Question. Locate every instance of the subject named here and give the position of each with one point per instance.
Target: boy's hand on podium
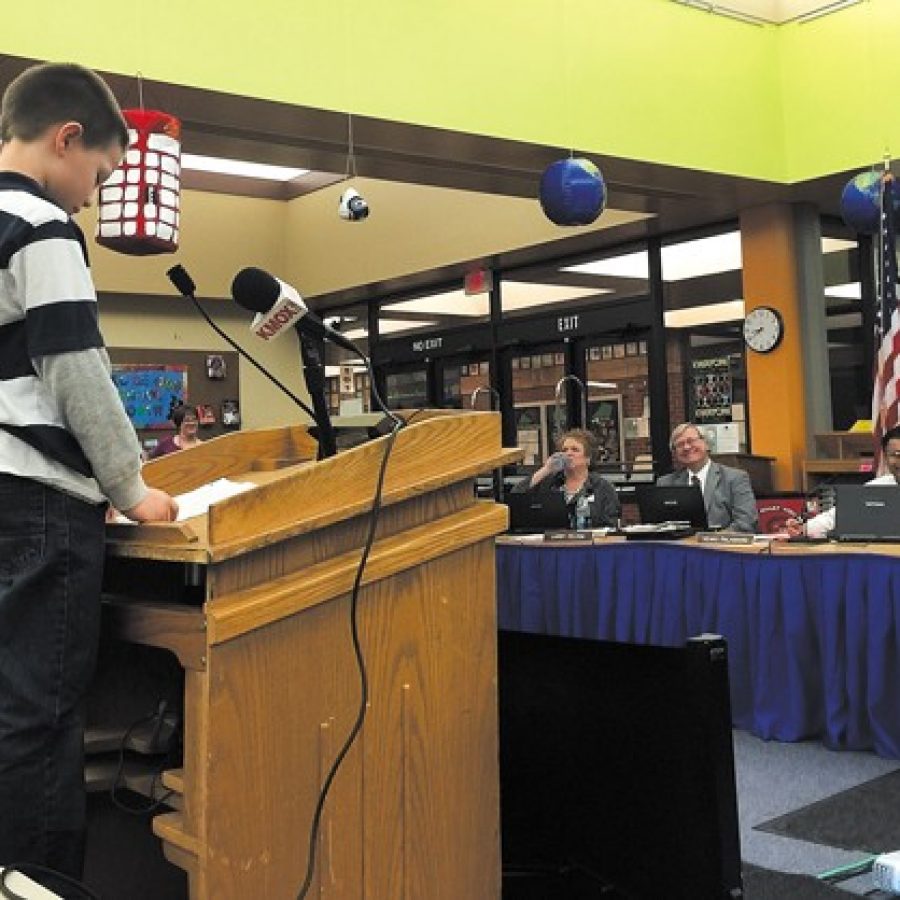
(157, 506)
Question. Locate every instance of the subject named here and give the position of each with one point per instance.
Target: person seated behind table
(819, 526)
(568, 471)
(185, 420)
(727, 493)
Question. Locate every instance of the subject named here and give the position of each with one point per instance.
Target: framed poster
(216, 369)
(149, 392)
(711, 390)
(231, 413)
(530, 434)
(605, 422)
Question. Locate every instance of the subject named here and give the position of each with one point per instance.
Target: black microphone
(185, 286)
(183, 282)
(278, 306)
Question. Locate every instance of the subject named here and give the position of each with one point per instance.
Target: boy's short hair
(52, 93)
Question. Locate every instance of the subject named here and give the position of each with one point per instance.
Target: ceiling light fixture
(709, 314)
(852, 290)
(241, 168)
(686, 259)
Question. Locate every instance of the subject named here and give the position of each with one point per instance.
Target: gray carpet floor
(774, 779)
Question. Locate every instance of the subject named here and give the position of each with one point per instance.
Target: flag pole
(885, 387)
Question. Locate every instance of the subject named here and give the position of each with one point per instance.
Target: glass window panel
(618, 410)
(849, 369)
(536, 372)
(432, 312)
(407, 390)
(467, 384)
(569, 287)
(704, 313)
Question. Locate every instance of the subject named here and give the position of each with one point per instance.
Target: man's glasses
(893, 454)
(687, 442)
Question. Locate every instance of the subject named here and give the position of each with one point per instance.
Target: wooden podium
(253, 599)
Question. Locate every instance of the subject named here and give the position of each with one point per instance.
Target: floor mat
(864, 818)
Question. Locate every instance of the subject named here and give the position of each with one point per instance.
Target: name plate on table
(724, 537)
(564, 536)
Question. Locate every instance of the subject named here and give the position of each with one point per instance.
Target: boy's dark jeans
(51, 567)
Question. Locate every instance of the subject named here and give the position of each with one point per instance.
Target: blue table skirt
(813, 640)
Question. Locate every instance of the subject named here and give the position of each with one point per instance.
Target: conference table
(813, 632)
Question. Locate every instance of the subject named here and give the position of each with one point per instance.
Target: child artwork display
(150, 392)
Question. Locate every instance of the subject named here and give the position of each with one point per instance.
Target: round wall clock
(763, 329)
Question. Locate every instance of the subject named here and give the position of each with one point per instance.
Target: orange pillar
(777, 411)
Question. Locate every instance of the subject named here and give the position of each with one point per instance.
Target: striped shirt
(61, 421)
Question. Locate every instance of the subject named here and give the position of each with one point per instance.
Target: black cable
(360, 662)
(398, 423)
(27, 868)
(155, 802)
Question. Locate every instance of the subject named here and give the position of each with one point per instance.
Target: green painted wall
(640, 79)
(643, 79)
(840, 79)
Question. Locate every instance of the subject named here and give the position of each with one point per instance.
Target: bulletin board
(151, 381)
(605, 421)
(711, 390)
(150, 391)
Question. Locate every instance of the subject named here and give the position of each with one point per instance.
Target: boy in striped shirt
(66, 448)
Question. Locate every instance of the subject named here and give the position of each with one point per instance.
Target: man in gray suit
(727, 493)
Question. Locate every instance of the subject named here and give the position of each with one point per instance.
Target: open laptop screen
(672, 503)
(533, 512)
(867, 512)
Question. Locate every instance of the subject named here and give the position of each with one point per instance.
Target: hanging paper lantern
(139, 205)
(572, 192)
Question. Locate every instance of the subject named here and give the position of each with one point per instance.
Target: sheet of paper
(197, 502)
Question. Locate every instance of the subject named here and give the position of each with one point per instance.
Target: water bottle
(583, 514)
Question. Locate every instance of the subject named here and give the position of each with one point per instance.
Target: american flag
(886, 393)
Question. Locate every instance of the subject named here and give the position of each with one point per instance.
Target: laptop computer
(672, 503)
(533, 513)
(867, 513)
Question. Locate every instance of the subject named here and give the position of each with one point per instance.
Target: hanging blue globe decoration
(861, 203)
(573, 192)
